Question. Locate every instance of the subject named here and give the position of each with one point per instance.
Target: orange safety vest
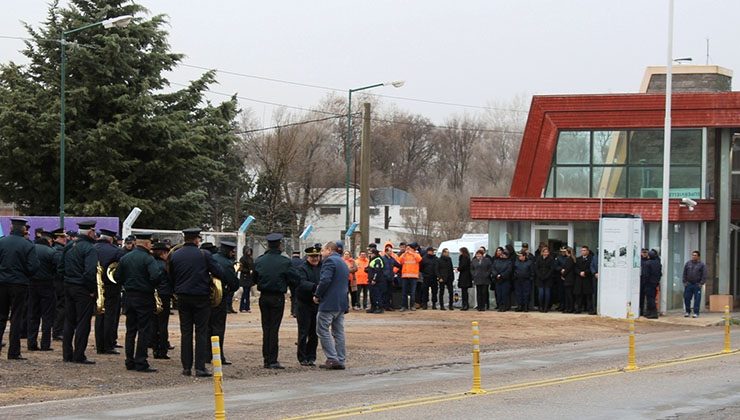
(361, 273)
(409, 265)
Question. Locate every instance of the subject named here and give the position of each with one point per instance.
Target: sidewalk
(706, 319)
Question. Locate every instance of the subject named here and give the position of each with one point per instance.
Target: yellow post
(631, 365)
(727, 330)
(218, 392)
(476, 361)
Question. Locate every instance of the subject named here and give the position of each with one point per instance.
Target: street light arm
(114, 22)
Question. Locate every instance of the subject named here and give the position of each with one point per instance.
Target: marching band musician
(60, 240)
(41, 301)
(165, 289)
(106, 324)
(226, 259)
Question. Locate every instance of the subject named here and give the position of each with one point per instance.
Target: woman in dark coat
(481, 270)
(544, 269)
(445, 276)
(501, 275)
(246, 266)
(465, 279)
(568, 274)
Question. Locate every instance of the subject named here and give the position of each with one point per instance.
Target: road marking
(395, 405)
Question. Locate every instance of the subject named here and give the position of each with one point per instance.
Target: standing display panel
(620, 238)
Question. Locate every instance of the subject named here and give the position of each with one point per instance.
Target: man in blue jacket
(331, 295)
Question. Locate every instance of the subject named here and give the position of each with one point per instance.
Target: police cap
(228, 245)
(108, 232)
(58, 232)
(191, 232)
(18, 221)
(312, 251)
(274, 237)
(160, 246)
(87, 224)
(144, 236)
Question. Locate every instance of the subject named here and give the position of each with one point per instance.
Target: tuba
(217, 292)
(158, 307)
(100, 301)
(110, 272)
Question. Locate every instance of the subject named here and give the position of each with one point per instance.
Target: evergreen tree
(127, 142)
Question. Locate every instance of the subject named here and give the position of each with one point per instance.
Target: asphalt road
(708, 388)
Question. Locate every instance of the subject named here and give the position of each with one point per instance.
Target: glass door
(554, 236)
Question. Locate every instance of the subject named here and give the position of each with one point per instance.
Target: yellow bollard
(631, 365)
(727, 330)
(476, 361)
(218, 392)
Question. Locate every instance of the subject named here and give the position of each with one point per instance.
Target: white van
(471, 241)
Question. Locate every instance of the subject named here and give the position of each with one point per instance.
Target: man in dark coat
(376, 281)
(190, 270)
(41, 298)
(165, 290)
(106, 324)
(523, 277)
(79, 265)
(18, 263)
(306, 308)
(225, 258)
(428, 269)
(273, 274)
(331, 295)
(501, 275)
(60, 240)
(445, 276)
(139, 274)
(582, 287)
(655, 272)
(644, 275)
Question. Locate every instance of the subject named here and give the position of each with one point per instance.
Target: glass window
(685, 147)
(573, 147)
(609, 181)
(572, 181)
(646, 147)
(549, 192)
(610, 147)
(686, 179)
(736, 186)
(645, 182)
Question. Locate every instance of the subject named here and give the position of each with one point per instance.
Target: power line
(275, 127)
(486, 130)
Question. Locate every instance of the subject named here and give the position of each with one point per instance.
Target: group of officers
(52, 284)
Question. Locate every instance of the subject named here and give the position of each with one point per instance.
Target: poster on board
(619, 265)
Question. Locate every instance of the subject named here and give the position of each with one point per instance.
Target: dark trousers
(271, 310)
(442, 286)
(544, 298)
(59, 312)
(194, 312)
(388, 295)
(41, 306)
(523, 289)
(464, 291)
(244, 302)
(583, 302)
(217, 326)
(567, 302)
(139, 313)
(408, 292)
(377, 294)
(161, 333)
(429, 283)
(651, 290)
(308, 341)
(106, 324)
(13, 300)
(79, 307)
(481, 295)
(362, 295)
(643, 300)
(353, 298)
(692, 291)
(502, 293)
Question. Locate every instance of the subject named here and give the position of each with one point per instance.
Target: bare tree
(457, 141)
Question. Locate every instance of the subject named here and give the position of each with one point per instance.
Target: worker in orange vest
(409, 260)
(362, 290)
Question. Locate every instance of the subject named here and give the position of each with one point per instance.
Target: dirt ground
(390, 341)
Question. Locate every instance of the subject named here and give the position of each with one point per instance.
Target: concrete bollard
(631, 364)
(727, 348)
(218, 391)
(476, 361)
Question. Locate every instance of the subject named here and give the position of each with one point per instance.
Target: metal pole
(218, 391)
(347, 147)
(365, 153)
(476, 361)
(664, 245)
(62, 141)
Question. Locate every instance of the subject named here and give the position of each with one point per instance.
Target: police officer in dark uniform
(41, 299)
(165, 289)
(60, 240)
(273, 273)
(229, 283)
(190, 269)
(79, 265)
(139, 274)
(18, 263)
(106, 324)
(306, 309)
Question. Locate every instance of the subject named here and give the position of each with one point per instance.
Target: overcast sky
(474, 52)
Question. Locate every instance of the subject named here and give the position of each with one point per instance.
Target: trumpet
(100, 301)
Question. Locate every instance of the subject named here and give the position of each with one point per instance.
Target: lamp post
(116, 22)
(348, 140)
(664, 251)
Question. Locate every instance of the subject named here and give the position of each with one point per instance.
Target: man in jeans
(694, 277)
(409, 261)
(331, 296)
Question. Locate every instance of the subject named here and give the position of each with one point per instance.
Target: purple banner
(50, 223)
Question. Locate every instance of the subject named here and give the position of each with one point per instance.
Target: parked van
(471, 241)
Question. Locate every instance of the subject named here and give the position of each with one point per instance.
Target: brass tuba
(100, 301)
(217, 292)
(110, 272)
(158, 307)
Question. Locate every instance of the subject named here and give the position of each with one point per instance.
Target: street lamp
(115, 22)
(664, 244)
(348, 140)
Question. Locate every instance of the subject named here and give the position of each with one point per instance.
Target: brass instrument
(217, 291)
(100, 301)
(158, 307)
(111, 271)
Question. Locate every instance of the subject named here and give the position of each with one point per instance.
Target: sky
(472, 52)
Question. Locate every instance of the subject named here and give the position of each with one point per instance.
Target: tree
(128, 144)
(457, 140)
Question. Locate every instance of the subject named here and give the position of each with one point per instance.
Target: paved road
(697, 387)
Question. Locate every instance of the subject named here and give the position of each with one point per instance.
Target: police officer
(225, 258)
(139, 274)
(306, 309)
(273, 273)
(106, 324)
(165, 289)
(18, 263)
(79, 265)
(190, 269)
(60, 240)
(41, 299)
